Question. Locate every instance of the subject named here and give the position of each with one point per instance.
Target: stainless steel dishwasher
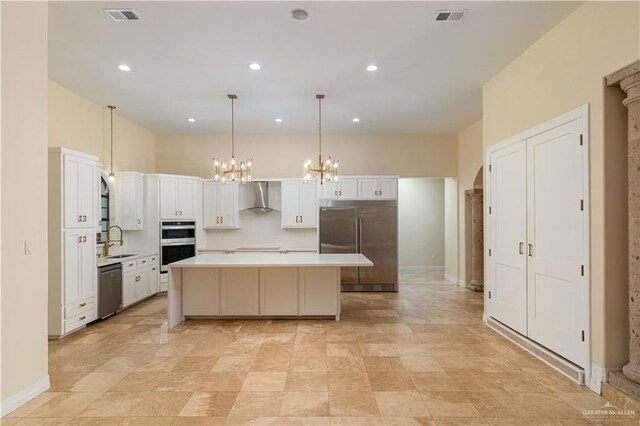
(109, 290)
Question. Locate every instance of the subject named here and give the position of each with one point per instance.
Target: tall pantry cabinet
(74, 193)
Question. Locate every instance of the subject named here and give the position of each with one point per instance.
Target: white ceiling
(186, 56)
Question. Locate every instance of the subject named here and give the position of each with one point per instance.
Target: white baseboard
(421, 268)
(25, 395)
(599, 375)
(454, 280)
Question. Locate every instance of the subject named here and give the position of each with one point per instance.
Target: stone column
(477, 241)
(629, 80)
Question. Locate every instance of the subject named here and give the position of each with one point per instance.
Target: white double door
(538, 242)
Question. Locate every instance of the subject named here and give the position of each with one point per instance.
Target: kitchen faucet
(108, 243)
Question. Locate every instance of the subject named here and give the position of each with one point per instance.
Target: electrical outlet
(28, 250)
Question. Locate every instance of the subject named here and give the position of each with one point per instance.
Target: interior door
(378, 236)
(557, 292)
(228, 204)
(187, 199)
(338, 234)
(168, 198)
(507, 227)
(290, 204)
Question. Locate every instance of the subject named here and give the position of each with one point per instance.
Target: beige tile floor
(421, 356)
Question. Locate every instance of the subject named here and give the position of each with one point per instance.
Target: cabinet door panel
(87, 194)
(141, 284)
(308, 205)
(153, 279)
(187, 199)
(71, 191)
(388, 189)
(88, 270)
(557, 292)
(168, 198)
(368, 189)
(348, 189)
(128, 203)
(139, 202)
(203, 297)
(290, 212)
(72, 248)
(210, 196)
(128, 285)
(329, 190)
(508, 224)
(240, 291)
(228, 205)
(279, 291)
(318, 291)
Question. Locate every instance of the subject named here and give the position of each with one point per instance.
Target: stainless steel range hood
(256, 197)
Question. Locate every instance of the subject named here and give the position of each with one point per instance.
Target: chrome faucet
(108, 243)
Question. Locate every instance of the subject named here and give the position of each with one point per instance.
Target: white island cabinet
(216, 285)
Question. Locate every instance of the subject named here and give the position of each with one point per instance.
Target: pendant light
(328, 169)
(112, 176)
(223, 172)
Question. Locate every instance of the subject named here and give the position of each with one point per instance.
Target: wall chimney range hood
(256, 197)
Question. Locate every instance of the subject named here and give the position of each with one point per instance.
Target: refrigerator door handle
(359, 235)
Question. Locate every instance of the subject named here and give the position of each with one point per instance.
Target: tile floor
(421, 356)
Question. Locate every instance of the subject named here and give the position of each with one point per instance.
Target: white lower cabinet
(139, 279)
(279, 291)
(203, 297)
(315, 296)
(239, 291)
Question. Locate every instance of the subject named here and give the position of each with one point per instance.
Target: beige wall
(421, 222)
(469, 163)
(451, 228)
(561, 71)
(24, 195)
(79, 124)
(282, 155)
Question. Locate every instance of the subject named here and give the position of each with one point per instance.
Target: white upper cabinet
(377, 188)
(177, 198)
(220, 205)
(131, 187)
(299, 204)
(80, 187)
(345, 188)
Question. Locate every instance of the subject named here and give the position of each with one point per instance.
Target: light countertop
(106, 261)
(239, 260)
(258, 250)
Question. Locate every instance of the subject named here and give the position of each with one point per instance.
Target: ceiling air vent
(449, 15)
(122, 15)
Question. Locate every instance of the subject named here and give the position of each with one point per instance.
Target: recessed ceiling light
(299, 14)
(278, 120)
(356, 120)
(191, 120)
(254, 66)
(124, 67)
(372, 68)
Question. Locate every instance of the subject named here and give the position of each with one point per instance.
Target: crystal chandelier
(232, 171)
(328, 169)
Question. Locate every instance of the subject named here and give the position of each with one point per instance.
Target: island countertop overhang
(275, 260)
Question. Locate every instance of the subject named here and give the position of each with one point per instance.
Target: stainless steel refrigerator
(367, 227)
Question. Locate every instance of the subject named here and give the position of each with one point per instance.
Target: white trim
(25, 395)
(455, 280)
(599, 375)
(421, 268)
(580, 113)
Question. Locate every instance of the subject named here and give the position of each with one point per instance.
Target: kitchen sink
(119, 256)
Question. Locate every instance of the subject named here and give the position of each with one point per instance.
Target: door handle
(221, 219)
(80, 218)
(336, 192)
(138, 278)
(83, 304)
(521, 248)
(530, 250)
(300, 219)
(339, 192)
(138, 221)
(359, 235)
(83, 317)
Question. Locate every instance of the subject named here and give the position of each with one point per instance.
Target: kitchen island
(247, 285)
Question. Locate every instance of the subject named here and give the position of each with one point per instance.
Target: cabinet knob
(138, 278)
(83, 317)
(83, 304)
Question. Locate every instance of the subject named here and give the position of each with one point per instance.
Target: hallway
(423, 352)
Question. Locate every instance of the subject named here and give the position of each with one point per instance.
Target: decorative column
(629, 80)
(477, 241)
